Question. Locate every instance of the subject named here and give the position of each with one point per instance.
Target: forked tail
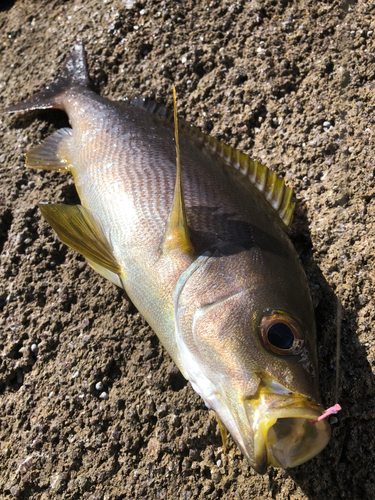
(73, 74)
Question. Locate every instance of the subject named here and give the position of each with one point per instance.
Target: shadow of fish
(203, 255)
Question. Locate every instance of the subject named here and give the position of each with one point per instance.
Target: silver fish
(203, 254)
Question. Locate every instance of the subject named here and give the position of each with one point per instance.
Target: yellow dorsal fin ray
(267, 182)
(77, 228)
(176, 236)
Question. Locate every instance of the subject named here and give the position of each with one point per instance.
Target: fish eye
(281, 333)
(280, 336)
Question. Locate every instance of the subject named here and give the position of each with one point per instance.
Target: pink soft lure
(331, 411)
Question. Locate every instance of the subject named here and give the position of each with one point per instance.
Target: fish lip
(284, 433)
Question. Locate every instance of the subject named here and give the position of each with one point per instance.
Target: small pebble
(326, 124)
(216, 476)
(162, 410)
(15, 491)
(34, 348)
(103, 395)
(175, 421)
(99, 386)
(362, 299)
(149, 353)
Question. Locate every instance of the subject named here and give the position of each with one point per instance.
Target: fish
(197, 236)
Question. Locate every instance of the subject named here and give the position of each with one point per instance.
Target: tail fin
(74, 73)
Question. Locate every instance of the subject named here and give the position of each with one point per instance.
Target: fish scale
(203, 254)
(152, 185)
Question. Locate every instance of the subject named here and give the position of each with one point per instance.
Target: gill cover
(267, 400)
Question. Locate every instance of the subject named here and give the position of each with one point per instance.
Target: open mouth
(286, 431)
(293, 441)
(290, 441)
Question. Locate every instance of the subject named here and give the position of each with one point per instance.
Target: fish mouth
(285, 429)
(288, 441)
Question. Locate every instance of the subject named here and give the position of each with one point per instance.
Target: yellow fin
(106, 273)
(177, 235)
(223, 433)
(53, 154)
(267, 182)
(77, 228)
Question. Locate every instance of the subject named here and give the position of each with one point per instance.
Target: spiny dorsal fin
(53, 153)
(76, 227)
(176, 235)
(267, 182)
(74, 73)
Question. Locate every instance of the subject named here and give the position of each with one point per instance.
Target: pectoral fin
(77, 228)
(268, 183)
(177, 237)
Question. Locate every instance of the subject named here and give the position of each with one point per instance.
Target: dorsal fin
(267, 182)
(73, 73)
(177, 235)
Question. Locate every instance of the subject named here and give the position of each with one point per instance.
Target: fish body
(231, 303)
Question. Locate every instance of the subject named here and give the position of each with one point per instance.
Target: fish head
(246, 333)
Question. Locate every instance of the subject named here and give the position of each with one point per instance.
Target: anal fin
(53, 153)
(77, 228)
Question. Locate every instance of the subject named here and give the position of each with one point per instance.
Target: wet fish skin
(206, 308)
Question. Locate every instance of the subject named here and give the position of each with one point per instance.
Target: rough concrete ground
(289, 82)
